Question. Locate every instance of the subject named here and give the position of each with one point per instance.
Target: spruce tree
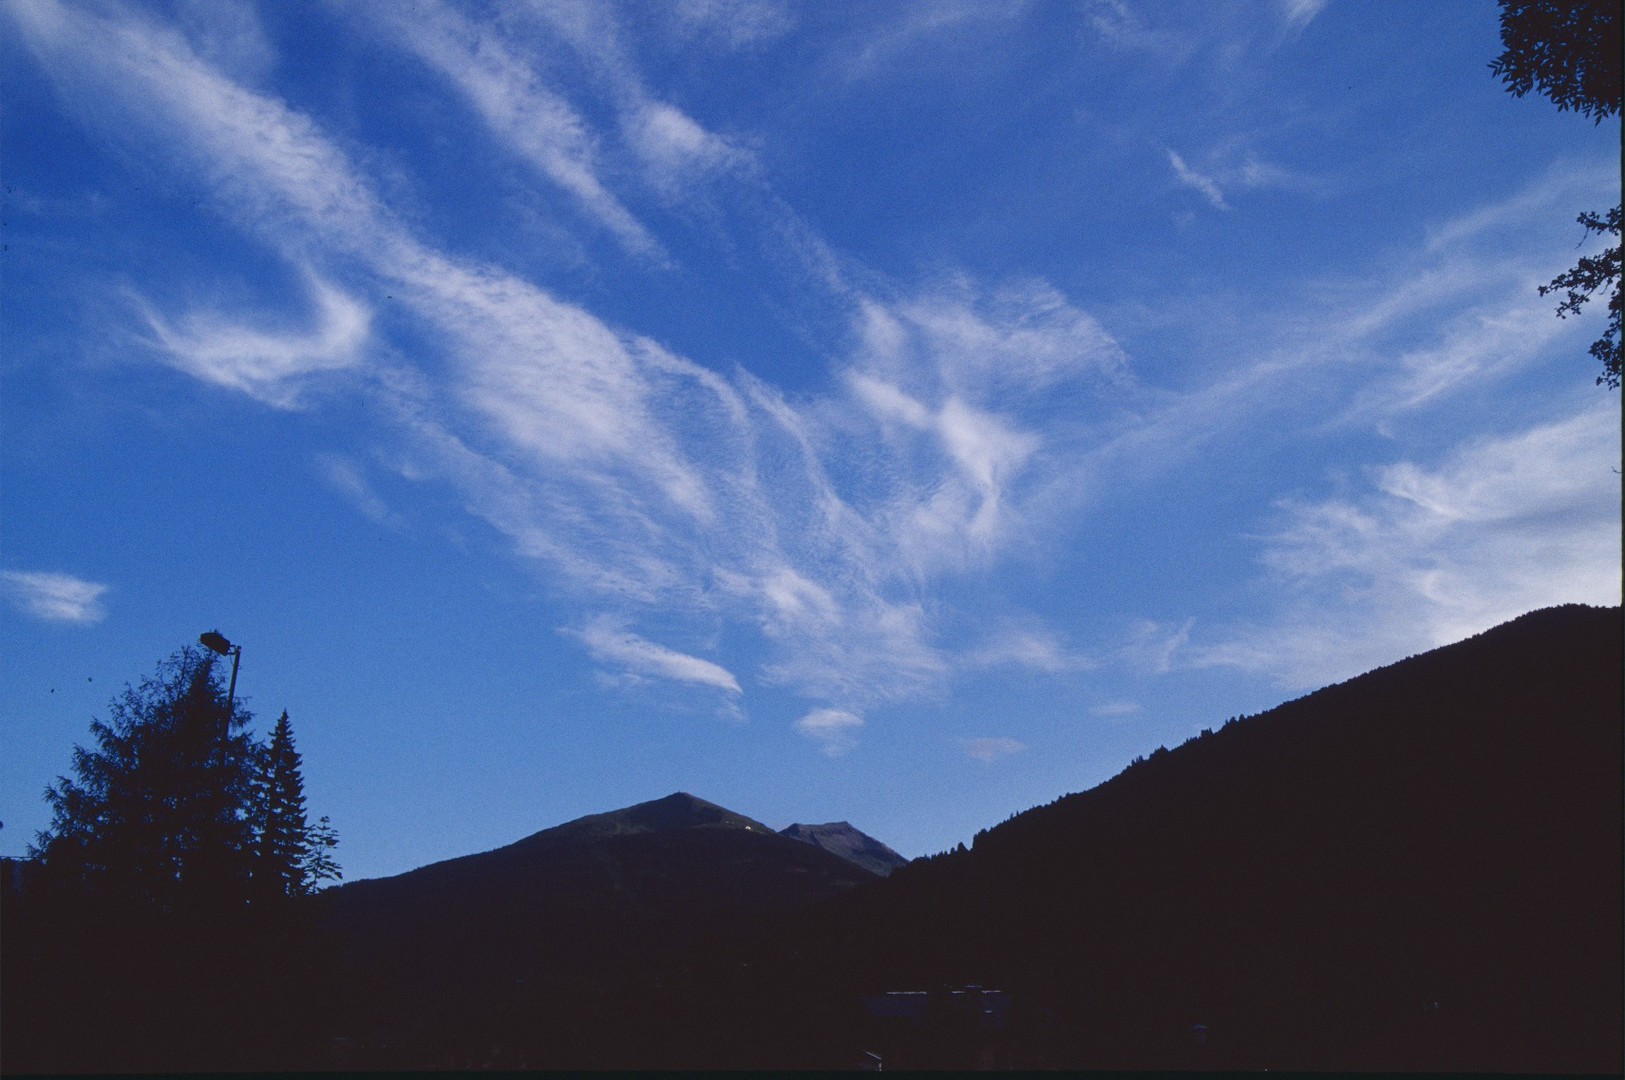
(290, 854)
(140, 945)
(158, 814)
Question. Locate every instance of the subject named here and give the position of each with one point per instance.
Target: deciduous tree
(1570, 51)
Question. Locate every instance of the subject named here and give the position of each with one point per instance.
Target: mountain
(840, 838)
(1416, 869)
(595, 939)
(676, 811)
(1419, 869)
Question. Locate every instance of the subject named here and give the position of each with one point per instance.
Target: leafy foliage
(1570, 51)
(1591, 273)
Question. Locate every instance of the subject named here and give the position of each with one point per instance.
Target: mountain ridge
(1416, 868)
(850, 843)
(679, 810)
(599, 909)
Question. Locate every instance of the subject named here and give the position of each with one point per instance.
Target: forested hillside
(1418, 868)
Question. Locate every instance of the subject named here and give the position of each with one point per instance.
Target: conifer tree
(320, 865)
(158, 813)
(290, 855)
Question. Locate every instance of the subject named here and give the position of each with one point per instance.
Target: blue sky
(895, 412)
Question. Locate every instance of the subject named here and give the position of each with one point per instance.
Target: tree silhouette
(1570, 51)
(1591, 273)
(138, 941)
(290, 855)
(157, 815)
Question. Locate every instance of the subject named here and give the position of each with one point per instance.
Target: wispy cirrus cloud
(1300, 13)
(346, 477)
(1201, 182)
(733, 24)
(989, 749)
(54, 597)
(273, 367)
(507, 72)
(1426, 555)
(509, 94)
(228, 34)
(1151, 646)
(637, 473)
(963, 423)
(1465, 296)
(676, 156)
(1235, 163)
(933, 24)
(1018, 645)
(1563, 185)
(961, 389)
(1122, 27)
(613, 645)
(834, 730)
(677, 153)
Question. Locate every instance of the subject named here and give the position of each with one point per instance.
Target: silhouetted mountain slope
(840, 838)
(536, 936)
(676, 811)
(1417, 868)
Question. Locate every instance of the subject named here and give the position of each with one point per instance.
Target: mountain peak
(679, 810)
(853, 845)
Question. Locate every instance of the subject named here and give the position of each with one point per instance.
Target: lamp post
(215, 642)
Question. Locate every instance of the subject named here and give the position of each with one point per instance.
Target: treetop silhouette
(1570, 51)
(157, 815)
(178, 808)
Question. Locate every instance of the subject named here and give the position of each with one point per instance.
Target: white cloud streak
(638, 474)
(1121, 27)
(272, 367)
(1300, 13)
(1152, 646)
(611, 645)
(508, 94)
(54, 597)
(832, 729)
(931, 28)
(989, 750)
(733, 24)
(1198, 181)
(963, 423)
(348, 479)
(1430, 555)
(1029, 647)
(505, 77)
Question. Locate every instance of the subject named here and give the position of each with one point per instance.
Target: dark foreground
(1418, 870)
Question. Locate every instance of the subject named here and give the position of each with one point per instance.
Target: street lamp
(215, 642)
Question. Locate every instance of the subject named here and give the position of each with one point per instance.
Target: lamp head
(215, 642)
